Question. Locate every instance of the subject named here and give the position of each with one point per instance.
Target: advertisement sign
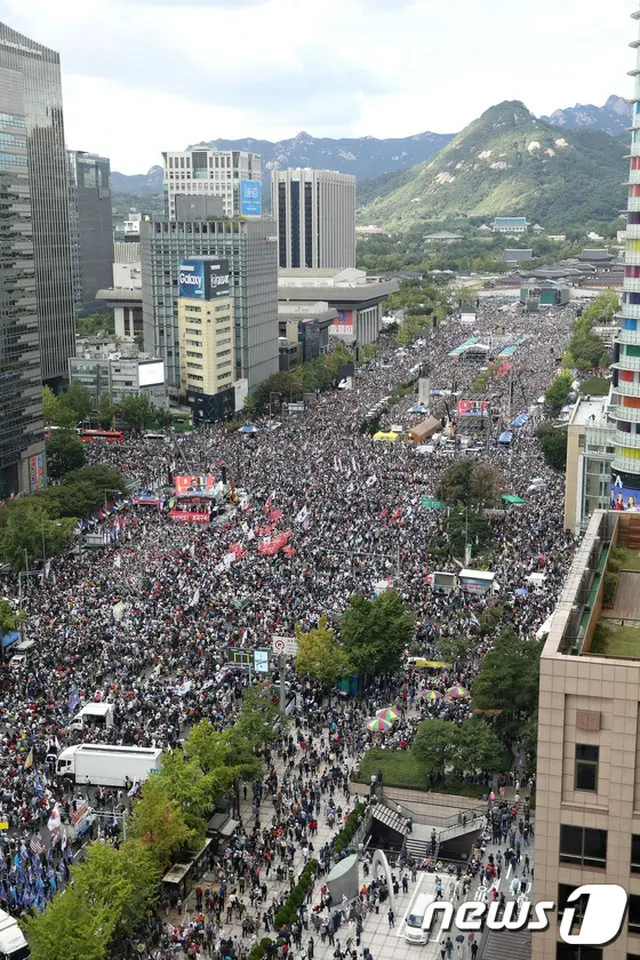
(472, 408)
(201, 486)
(250, 198)
(216, 279)
(151, 374)
(342, 325)
(191, 279)
(624, 498)
(36, 472)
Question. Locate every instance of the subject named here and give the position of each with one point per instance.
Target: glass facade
(91, 228)
(48, 180)
(21, 437)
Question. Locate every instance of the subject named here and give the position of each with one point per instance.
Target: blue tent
(505, 437)
(519, 421)
(418, 409)
(9, 639)
(249, 429)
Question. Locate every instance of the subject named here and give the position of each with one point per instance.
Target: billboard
(472, 408)
(200, 486)
(191, 279)
(36, 472)
(342, 325)
(624, 498)
(151, 374)
(250, 198)
(216, 276)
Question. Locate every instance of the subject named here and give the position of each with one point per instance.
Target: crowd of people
(187, 596)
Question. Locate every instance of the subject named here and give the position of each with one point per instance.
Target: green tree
(259, 721)
(135, 410)
(466, 528)
(478, 749)
(50, 406)
(320, 656)
(190, 788)
(10, 620)
(508, 680)
(435, 747)
(75, 402)
(553, 442)
(376, 632)
(94, 324)
(468, 482)
(65, 452)
(71, 929)
(557, 395)
(28, 530)
(106, 411)
(124, 881)
(162, 416)
(158, 824)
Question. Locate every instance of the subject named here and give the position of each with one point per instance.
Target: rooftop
(588, 412)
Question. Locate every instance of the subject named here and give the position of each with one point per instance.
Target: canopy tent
(505, 437)
(511, 498)
(249, 428)
(388, 435)
(422, 431)
(519, 421)
(419, 408)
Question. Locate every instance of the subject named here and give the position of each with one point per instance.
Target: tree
(30, 534)
(508, 680)
(478, 749)
(94, 324)
(190, 788)
(376, 632)
(106, 411)
(466, 528)
(70, 929)
(123, 881)
(468, 482)
(10, 620)
(135, 410)
(50, 406)
(259, 721)
(435, 747)
(158, 824)
(554, 445)
(65, 452)
(320, 656)
(162, 416)
(557, 394)
(75, 402)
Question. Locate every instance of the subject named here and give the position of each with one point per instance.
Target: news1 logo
(599, 923)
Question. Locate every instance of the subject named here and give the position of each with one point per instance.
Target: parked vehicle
(111, 766)
(13, 945)
(93, 714)
(414, 929)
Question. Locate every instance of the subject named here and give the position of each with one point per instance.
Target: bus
(116, 436)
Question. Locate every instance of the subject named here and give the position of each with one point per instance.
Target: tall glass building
(21, 436)
(39, 68)
(91, 225)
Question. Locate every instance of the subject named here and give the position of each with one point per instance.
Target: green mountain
(507, 163)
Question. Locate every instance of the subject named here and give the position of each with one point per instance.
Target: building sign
(36, 472)
(250, 198)
(216, 279)
(342, 325)
(191, 279)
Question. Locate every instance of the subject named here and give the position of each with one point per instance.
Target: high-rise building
(21, 436)
(233, 175)
(91, 227)
(626, 367)
(315, 214)
(250, 246)
(39, 68)
(205, 322)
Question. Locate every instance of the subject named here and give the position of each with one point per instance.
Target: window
(583, 846)
(566, 951)
(634, 913)
(564, 890)
(586, 771)
(581, 441)
(635, 853)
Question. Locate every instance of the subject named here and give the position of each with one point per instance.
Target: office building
(124, 297)
(356, 299)
(587, 816)
(589, 455)
(250, 246)
(48, 182)
(119, 370)
(21, 437)
(206, 328)
(232, 175)
(91, 227)
(315, 214)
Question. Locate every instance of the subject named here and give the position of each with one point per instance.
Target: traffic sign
(284, 645)
(261, 661)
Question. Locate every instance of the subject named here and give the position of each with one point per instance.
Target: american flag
(36, 844)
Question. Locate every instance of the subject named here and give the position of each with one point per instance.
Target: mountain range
(509, 162)
(614, 117)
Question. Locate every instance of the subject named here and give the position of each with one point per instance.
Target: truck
(107, 765)
(13, 945)
(93, 714)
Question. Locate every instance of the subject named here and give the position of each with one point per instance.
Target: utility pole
(283, 689)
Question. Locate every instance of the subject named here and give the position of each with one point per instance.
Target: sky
(142, 76)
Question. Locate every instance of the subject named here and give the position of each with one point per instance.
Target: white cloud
(141, 76)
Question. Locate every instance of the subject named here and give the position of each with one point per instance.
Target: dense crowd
(351, 507)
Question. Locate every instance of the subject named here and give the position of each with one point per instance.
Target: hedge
(288, 912)
(344, 838)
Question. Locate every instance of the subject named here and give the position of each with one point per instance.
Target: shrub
(288, 912)
(611, 581)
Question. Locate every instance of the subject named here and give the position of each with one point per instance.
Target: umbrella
(249, 428)
(432, 695)
(388, 713)
(377, 723)
(457, 693)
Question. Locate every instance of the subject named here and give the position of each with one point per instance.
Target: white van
(414, 931)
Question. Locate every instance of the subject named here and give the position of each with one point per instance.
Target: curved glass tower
(626, 366)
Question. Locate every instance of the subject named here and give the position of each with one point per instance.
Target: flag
(36, 844)
(74, 699)
(29, 761)
(302, 515)
(118, 562)
(54, 822)
(474, 620)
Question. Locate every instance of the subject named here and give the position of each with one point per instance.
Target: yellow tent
(389, 435)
